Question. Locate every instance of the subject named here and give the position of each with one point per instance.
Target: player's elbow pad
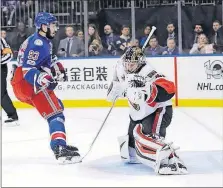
(29, 76)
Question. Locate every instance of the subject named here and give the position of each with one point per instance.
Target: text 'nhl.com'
(209, 86)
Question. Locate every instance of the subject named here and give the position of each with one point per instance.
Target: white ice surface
(27, 160)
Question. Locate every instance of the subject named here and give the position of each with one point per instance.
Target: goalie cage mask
(133, 59)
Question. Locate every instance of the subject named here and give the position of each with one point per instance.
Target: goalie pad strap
(128, 154)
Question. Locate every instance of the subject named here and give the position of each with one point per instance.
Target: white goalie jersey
(145, 90)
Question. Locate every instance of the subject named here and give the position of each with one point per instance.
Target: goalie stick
(102, 125)
(148, 38)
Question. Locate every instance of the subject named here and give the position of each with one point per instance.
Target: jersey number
(33, 55)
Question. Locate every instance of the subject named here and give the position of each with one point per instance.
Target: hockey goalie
(149, 96)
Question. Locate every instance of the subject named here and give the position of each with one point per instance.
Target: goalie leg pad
(128, 154)
(157, 153)
(123, 144)
(150, 151)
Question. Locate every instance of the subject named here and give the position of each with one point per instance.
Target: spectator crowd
(111, 44)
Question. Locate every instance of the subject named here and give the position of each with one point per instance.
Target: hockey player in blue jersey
(36, 77)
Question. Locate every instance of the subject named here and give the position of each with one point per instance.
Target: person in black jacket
(108, 41)
(217, 36)
(171, 33)
(6, 103)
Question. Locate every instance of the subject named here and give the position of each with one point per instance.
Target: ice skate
(11, 122)
(67, 154)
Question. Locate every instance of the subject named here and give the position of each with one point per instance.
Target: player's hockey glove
(59, 72)
(46, 81)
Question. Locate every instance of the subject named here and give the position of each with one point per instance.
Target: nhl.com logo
(214, 69)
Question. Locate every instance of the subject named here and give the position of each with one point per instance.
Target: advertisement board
(200, 79)
(86, 79)
(89, 79)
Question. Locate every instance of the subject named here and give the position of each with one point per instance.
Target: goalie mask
(133, 59)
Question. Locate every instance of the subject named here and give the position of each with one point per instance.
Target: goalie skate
(173, 167)
(67, 154)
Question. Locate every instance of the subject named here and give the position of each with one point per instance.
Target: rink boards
(198, 80)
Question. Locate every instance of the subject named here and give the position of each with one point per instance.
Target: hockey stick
(148, 38)
(102, 125)
(41, 89)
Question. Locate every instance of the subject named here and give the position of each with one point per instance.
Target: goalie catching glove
(116, 90)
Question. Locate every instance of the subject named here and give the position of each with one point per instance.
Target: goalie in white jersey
(148, 94)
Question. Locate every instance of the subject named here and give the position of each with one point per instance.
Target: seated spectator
(71, 46)
(217, 36)
(154, 48)
(198, 29)
(123, 41)
(93, 34)
(19, 38)
(108, 41)
(80, 35)
(171, 33)
(142, 39)
(95, 48)
(202, 46)
(171, 48)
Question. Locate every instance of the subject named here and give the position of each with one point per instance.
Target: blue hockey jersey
(35, 56)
